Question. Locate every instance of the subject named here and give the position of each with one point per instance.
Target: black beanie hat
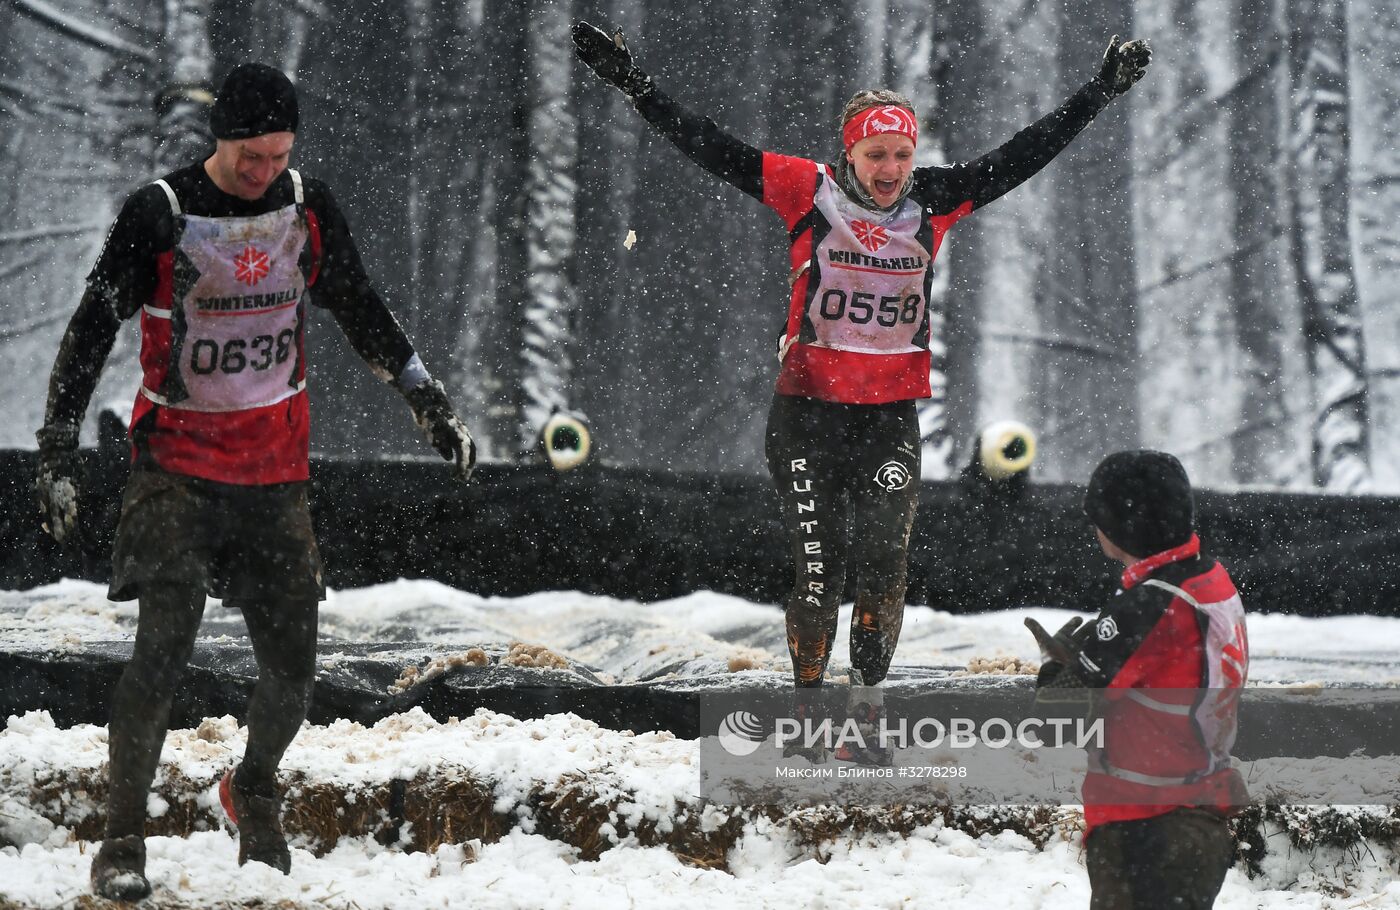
(1141, 501)
(254, 100)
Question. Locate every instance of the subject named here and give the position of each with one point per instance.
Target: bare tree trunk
(274, 32)
(417, 27)
(182, 105)
(960, 123)
(608, 133)
(181, 137)
(508, 88)
(910, 53)
(549, 290)
(1086, 365)
(1263, 441)
(455, 257)
(1320, 228)
(1373, 75)
(75, 134)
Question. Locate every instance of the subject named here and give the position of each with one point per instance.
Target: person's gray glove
(1123, 65)
(439, 422)
(1062, 647)
(608, 56)
(57, 479)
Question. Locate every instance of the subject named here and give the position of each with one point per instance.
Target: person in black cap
(255, 100)
(220, 259)
(1162, 665)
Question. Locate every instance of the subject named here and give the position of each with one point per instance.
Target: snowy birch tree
(182, 104)
(75, 134)
(550, 187)
(1320, 229)
(1374, 102)
(181, 135)
(453, 134)
(417, 13)
(452, 169)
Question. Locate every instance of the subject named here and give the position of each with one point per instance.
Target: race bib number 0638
(238, 354)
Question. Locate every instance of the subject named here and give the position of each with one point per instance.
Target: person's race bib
(867, 290)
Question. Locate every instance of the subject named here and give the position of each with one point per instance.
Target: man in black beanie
(255, 100)
(1162, 665)
(220, 259)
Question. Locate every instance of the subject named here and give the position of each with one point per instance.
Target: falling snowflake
(250, 266)
(871, 236)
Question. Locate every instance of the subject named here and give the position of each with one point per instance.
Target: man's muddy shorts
(240, 543)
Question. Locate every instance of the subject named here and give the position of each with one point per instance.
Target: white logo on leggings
(892, 476)
(816, 564)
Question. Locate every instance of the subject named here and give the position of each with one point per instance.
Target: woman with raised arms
(843, 436)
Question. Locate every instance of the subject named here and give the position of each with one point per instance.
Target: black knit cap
(254, 100)
(1141, 500)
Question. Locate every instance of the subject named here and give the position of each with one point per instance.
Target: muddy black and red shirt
(221, 285)
(857, 329)
(1169, 656)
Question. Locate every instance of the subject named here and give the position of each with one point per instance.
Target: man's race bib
(236, 312)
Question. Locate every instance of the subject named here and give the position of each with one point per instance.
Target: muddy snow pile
(431, 799)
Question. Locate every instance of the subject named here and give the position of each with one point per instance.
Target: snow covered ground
(628, 641)
(649, 777)
(644, 776)
(933, 868)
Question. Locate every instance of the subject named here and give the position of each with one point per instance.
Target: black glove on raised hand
(609, 57)
(1062, 647)
(1124, 64)
(434, 415)
(57, 479)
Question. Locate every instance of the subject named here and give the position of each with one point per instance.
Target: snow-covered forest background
(1212, 268)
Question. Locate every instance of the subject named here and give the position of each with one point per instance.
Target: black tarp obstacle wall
(646, 535)
(649, 535)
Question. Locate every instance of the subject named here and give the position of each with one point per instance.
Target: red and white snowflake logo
(250, 266)
(871, 236)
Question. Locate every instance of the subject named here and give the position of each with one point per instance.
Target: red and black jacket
(1168, 657)
(134, 270)
(942, 194)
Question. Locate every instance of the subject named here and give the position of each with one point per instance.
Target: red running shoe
(259, 824)
(226, 796)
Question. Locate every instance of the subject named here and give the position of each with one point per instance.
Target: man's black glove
(1064, 646)
(57, 479)
(609, 57)
(434, 415)
(1123, 65)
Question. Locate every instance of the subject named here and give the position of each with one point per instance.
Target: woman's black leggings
(848, 478)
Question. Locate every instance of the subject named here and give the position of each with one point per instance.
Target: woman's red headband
(878, 121)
